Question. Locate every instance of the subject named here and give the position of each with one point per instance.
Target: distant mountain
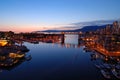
(84, 29)
(92, 23)
(90, 28)
(82, 26)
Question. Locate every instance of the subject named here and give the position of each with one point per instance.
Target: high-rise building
(115, 27)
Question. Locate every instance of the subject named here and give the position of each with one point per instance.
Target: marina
(65, 56)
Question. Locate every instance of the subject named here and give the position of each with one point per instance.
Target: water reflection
(105, 52)
(68, 59)
(12, 55)
(67, 41)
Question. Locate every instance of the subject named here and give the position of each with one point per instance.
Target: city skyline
(32, 15)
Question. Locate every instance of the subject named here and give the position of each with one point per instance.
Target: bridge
(71, 32)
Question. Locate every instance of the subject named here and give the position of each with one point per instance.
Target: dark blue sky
(28, 15)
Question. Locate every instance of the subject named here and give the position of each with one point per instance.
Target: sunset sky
(32, 15)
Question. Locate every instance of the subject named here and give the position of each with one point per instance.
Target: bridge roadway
(77, 33)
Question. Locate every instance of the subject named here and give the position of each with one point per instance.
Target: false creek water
(52, 61)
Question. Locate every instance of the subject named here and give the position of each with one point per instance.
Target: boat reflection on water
(57, 39)
(106, 59)
(12, 55)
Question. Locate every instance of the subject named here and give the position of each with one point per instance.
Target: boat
(23, 49)
(116, 73)
(86, 49)
(16, 55)
(35, 42)
(117, 67)
(107, 66)
(3, 42)
(49, 41)
(8, 62)
(28, 58)
(99, 66)
(105, 73)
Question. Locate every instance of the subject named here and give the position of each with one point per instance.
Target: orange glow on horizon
(31, 28)
(27, 28)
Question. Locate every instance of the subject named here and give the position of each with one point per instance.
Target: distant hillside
(90, 28)
(84, 29)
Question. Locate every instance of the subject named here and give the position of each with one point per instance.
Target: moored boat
(100, 66)
(3, 42)
(117, 66)
(16, 55)
(105, 73)
(116, 73)
(107, 66)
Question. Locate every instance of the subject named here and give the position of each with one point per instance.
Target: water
(52, 61)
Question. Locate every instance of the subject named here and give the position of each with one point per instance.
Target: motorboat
(8, 62)
(117, 66)
(100, 66)
(3, 42)
(23, 48)
(105, 73)
(16, 55)
(107, 66)
(116, 73)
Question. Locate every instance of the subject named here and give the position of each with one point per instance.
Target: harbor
(60, 56)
